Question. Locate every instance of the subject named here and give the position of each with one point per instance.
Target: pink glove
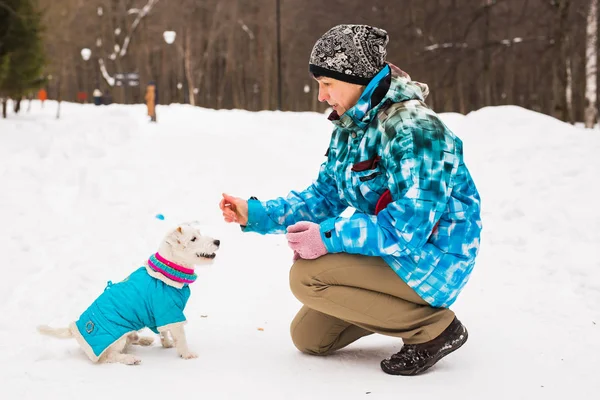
(305, 239)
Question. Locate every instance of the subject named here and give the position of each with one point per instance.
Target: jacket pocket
(367, 170)
(369, 177)
(369, 180)
(366, 164)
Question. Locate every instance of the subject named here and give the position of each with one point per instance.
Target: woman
(397, 264)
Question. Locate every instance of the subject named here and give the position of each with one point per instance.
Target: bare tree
(471, 53)
(569, 91)
(591, 56)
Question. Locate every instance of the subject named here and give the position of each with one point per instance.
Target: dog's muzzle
(204, 255)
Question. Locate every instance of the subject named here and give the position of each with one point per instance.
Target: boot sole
(430, 364)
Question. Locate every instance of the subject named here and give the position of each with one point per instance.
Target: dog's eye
(193, 239)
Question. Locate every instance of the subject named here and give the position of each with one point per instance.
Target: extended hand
(234, 209)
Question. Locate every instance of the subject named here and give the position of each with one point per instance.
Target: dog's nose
(217, 242)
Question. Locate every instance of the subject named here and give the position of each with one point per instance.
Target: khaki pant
(348, 296)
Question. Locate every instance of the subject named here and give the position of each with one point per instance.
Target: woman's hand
(234, 209)
(305, 239)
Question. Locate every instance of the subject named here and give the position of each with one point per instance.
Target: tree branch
(10, 10)
(140, 15)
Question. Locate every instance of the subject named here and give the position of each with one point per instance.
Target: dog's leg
(181, 342)
(166, 340)
(135, 339)
(116, 357)
(114, 354)
(145, 341)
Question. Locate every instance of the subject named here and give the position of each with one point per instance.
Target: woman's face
(340, 95)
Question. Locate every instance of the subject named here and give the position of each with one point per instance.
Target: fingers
(297, 247)
(222, 204)
(294, 237)
(234, 209)
(299, 227)
(228, 208)
(229, 215)
(229, 199)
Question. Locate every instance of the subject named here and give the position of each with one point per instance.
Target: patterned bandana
(171, 270)
(350, 53)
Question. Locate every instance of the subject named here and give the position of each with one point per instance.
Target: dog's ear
(178, 232)
(174, 236)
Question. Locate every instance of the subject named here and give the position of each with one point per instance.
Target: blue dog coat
(137, 302)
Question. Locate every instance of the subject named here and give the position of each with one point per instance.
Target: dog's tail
(61, 333)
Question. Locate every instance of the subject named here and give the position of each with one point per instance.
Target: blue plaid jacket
(390, 140)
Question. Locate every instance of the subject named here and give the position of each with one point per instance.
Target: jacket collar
(390, 85)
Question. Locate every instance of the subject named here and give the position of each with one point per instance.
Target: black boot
(414, 359)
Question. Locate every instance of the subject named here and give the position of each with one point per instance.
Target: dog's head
(186, 245)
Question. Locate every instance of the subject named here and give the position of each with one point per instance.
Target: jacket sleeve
(316, 203)
(420, 161)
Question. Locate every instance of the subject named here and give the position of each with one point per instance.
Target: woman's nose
(322, 95)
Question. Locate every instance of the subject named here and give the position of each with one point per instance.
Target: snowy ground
(79, 197)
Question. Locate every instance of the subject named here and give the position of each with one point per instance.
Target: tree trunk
(559, 75)
(591, 54)
(4, 108)
(487, 58)
(510, 72)
(58, 96)
(569, 92)
(509, 76)
(189, 75)
(460, 87)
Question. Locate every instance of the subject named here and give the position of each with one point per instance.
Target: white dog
(154, 296)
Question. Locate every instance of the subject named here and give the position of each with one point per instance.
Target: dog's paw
(130, 359)
(145, 341)
(188, 355)
(166, 342)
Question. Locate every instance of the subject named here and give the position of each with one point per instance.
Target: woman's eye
(193, 239)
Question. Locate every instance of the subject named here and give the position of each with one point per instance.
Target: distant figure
(107, 99)
(97, 97)
(151, 96)
(82, 97)
(42, 96)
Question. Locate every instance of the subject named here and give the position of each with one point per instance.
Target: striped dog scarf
(171, 270)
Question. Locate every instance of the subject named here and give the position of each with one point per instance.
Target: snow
(79, 200)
